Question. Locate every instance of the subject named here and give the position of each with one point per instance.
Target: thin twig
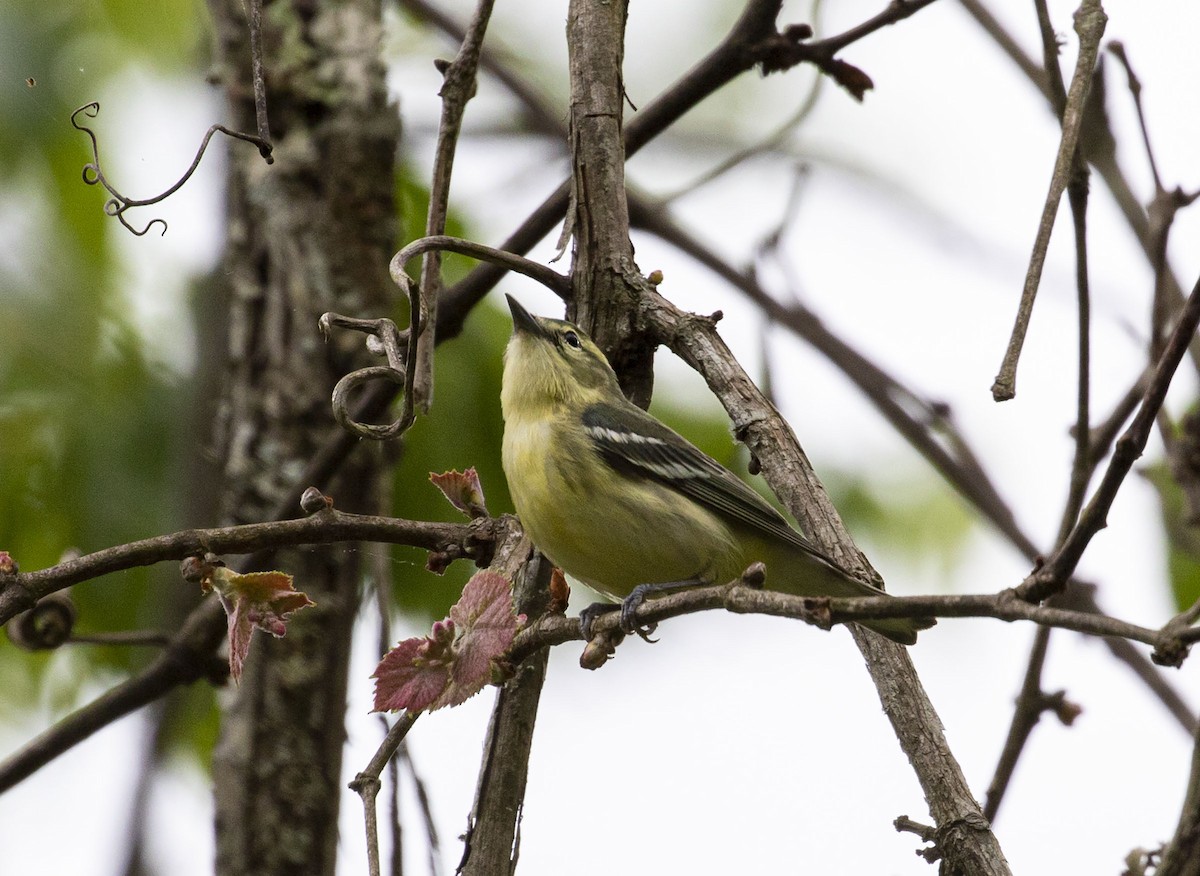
(1077, 196)
(1089, 25)
(771, 245)
(20, 591)
(1106, 432)
(770, 141)
(1117, 50)
(1025, 717)
(260, 84)
(458, 88)
(510, 261)
(1034, 72)
(1129, 447)
(896, 11)
(366, 784)
(1032, 700)
(1161, 214)
(1161, 217)
(395, 823)
(1099, 143)
(1050, 49)
(382, 581)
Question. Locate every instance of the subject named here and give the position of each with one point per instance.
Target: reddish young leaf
(256, 599)
(454, 662)
(463, 490)
(415, 673)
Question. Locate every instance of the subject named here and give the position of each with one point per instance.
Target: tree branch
(826, 612)
(746, 45)
(21, 591)
(457, 89)
(189, 657)
(366, 783)
(1097, 141)
(1032, 700)
(787, 470)
(1058, 569)
(492, 842)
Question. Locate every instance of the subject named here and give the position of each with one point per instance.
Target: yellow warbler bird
(626, 505)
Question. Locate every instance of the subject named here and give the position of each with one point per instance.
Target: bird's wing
(633, 442)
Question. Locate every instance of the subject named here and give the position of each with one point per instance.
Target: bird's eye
(572, 340)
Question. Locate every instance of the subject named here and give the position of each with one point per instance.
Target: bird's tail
(805, 574)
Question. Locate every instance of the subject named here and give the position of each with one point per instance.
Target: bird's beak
(523, 320)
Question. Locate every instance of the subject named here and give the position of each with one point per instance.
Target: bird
(626, 505)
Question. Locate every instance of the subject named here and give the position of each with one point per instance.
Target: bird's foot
(591, 614)
(628, 624)
(629, 607)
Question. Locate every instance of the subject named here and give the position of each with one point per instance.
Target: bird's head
(550, 362)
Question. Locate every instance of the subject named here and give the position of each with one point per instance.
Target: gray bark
(309, 234)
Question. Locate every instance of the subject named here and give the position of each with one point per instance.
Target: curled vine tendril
(118, 203)
(383, 337)
(398, 346)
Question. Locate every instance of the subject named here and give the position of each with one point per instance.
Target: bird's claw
(627, 624)
(591, 614)
(629, 607)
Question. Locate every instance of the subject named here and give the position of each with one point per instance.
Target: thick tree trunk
(309, 234)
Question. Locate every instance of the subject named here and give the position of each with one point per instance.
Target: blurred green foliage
(463, 430)
(911, 516)
(94, 435)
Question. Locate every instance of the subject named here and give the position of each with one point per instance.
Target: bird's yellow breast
(607, 530)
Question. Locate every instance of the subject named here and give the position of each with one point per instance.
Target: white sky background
(756, 745)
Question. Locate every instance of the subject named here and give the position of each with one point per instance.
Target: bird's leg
(629, 606)
(591, 614)
(637, 596)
